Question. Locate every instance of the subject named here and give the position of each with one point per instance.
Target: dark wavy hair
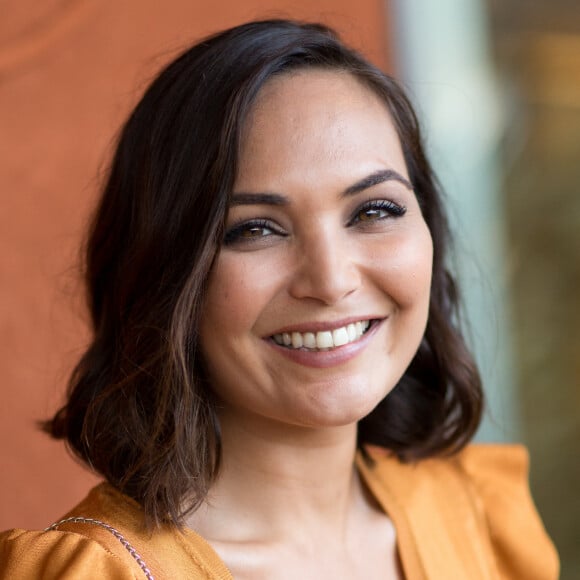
(139, 410)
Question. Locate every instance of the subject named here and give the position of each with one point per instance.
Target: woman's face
(319, 296)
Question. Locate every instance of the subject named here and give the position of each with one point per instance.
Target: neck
(288, 478)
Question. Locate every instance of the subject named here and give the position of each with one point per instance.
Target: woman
(277, 386)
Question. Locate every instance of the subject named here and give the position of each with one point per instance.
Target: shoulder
(77, 547)
(485, 485)
(499, 475)
(55, 554)
(104, 537)
(488, 468)
(496, 473)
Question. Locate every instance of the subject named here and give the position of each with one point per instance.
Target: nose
(326, 268)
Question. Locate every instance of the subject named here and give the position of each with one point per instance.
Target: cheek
(239, 288)
(226, 301)
(406, 267)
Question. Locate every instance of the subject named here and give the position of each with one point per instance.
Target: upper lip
(323, 325)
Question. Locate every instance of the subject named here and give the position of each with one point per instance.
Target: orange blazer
(467, 517)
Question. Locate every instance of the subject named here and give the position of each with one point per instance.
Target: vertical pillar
(442, 58)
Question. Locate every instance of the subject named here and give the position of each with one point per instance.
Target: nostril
(326, 276)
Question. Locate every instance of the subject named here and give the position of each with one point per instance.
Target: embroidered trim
(112, 530)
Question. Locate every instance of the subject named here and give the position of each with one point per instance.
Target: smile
(323, 340)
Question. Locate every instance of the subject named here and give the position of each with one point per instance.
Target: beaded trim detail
(112, 530)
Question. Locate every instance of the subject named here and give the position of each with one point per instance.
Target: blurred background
(497, 86)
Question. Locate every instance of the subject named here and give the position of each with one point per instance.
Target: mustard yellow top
(470, 516)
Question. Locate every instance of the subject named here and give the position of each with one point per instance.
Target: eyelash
(236, 232)
(391, 209)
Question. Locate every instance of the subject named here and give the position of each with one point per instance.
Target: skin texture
(313, 254)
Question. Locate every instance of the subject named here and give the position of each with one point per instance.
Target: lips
(323, 340)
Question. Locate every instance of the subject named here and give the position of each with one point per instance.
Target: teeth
(351, 331)
(325, 339)
(340, 336)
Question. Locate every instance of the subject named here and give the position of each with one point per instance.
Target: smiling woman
(326, 237)
(277, 386)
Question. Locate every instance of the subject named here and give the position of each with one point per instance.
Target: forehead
(318, 117)
(305, 94)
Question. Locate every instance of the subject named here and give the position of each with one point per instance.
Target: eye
(250, 231)
(376, 210)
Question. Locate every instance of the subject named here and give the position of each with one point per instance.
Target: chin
(340, 411)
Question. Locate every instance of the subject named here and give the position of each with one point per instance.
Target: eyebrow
(375, 179)
(258, 199)
(269, 198)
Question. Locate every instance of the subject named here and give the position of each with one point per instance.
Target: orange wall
(69, 72)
